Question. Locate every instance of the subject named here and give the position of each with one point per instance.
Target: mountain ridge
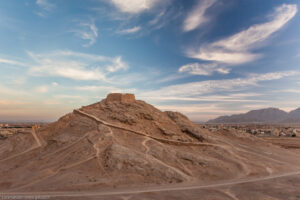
(265, 115)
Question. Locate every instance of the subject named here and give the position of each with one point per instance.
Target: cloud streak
(197, 17)
(11, 62)
(134, 6)
(130, 30)
(76, 66)
(236, 49)
(203, 69)
(117, 65)
(45, 4)
(196, 89)
(87, 31)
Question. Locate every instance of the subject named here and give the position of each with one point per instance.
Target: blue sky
(204, 58)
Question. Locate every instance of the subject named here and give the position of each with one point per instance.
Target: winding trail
(172, 142)
(144, 143)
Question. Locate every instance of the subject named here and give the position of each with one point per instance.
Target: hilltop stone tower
(124, 98)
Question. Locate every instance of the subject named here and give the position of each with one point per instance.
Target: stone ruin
(124, 98)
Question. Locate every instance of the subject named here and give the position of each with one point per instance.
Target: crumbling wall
(124, 98)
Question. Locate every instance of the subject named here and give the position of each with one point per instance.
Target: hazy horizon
(203, 58)
(38, 119)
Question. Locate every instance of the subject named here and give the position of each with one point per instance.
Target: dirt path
(70, 145)
(38, 142)
(187, 177)
(144, 143)
(20, 154)
(53, 173)
(172, 142)
(95, 146)
(151, 189)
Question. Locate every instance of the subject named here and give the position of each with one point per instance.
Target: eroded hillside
(123, 142)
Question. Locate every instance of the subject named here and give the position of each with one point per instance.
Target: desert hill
(267, 115)
(123, 142)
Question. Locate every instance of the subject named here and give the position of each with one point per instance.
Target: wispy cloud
(45, 7)
(164, 17)
(11, 62)
(117, 65)
(134, 6)
(130, 30)
(87, 31)
(130, 14)
(236, 49)
(207, 98)
(157, 18)
(203, 69)
(73, 65)
(289, 91)
(45, 4)
(197, 16)
(172, 77)
(47, 66)
(194, 89)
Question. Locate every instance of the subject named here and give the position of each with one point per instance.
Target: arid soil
(122, 143)
(285, 187)
(292, 144)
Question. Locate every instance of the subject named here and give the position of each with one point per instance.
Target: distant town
(7, 130)
(260, 130)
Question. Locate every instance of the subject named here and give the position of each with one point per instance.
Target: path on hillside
(37, 139)
(38, 142)
(174, 142)
(150, 189)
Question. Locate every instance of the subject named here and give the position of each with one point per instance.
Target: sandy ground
(280, 186)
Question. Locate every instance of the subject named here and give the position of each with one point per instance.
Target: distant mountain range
(267, 115)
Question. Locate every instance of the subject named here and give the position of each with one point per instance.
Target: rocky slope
(268, 115)
(123, 142)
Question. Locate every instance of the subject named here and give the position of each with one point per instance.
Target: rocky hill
(123, 142)
(268, 115)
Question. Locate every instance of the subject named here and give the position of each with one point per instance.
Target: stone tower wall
(124, 98)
